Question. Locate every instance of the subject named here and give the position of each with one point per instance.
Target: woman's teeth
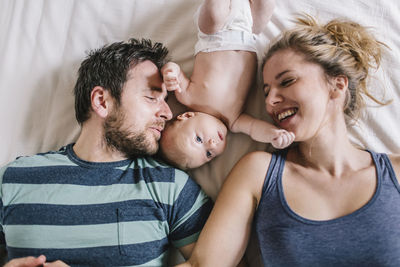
(287, 113)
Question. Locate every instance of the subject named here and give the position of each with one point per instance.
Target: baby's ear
(185, 116)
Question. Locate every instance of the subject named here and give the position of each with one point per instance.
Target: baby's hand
(170, 73)
(282, 139)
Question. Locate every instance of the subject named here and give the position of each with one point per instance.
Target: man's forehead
(146, 72)
(144, 69)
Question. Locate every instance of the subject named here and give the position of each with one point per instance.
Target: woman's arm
(395, 160)
(224, 237)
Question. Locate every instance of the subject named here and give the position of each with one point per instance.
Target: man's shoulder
(156, 171)
(154, 163)
(161, 176)
(40, 158)
(23, 165)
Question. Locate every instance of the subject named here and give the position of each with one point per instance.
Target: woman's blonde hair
(340, 47)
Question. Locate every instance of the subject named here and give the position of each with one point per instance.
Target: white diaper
(236, 34)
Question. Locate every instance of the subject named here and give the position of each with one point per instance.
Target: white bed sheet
(43, 42)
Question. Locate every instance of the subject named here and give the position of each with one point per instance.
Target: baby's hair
(340, 47)
(170, 151)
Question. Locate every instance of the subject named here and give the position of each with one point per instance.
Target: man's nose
(165, 111)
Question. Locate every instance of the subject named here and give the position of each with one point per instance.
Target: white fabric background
(43, 42)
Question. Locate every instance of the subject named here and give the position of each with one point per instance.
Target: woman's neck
(330, 151)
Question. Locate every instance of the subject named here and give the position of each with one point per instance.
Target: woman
(323, 201)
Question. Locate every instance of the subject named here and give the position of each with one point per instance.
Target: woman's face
(296, 93)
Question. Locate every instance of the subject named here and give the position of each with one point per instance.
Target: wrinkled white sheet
(43, 42)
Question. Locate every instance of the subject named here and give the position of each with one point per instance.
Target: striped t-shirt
(124, 213)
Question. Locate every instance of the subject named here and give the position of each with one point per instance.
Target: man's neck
(92, 147)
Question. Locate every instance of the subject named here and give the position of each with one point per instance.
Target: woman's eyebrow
(281, 73)
(277, 77)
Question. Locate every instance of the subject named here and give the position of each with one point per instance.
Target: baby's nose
(212, 142)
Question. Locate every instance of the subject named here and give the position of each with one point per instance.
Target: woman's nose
(273, 98)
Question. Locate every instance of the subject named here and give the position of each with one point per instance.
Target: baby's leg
(213, 15)
(261, 11)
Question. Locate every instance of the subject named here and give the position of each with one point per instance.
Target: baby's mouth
(221, 136)
(286, 114)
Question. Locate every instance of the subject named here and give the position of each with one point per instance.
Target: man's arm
(34, 262)
(27, 262)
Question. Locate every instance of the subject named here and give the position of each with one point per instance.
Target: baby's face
(198, 136)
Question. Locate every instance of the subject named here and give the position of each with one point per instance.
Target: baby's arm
(262, 131)
(174, 78)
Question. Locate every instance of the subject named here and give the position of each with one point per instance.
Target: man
(103, 201)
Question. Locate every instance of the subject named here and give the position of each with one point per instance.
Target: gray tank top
(370, 236)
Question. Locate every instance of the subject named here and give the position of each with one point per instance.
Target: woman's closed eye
(287, 82)
(266, 90)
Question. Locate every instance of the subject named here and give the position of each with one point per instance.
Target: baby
(224, 70)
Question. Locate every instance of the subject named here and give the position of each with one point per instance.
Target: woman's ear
(185, 115)
(101, 101)
(340, 86)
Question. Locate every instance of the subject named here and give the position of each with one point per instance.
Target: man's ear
(340, 86)
(101, 101)
(185, 115)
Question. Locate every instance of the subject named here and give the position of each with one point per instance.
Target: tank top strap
(274, 170)
(385, 169)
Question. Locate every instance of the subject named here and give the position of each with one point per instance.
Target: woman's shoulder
(395, 160)
(255, 159)
(249, 172)
(253, 166)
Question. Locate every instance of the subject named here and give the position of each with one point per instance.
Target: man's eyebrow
(159, 90)
(154, 88)
(277, 77)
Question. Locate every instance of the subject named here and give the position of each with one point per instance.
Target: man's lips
(158, 128)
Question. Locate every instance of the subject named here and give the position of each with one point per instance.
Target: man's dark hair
(108, 67)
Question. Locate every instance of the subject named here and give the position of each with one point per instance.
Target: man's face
(135, 126)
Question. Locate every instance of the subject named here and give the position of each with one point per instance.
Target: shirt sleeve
(189, 211)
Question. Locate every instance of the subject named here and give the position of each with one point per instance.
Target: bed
(43, 42)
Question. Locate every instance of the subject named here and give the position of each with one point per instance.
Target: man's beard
(131, 144)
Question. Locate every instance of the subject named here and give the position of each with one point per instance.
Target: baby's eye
(209, 154)
(198, 139)
(287, 82)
